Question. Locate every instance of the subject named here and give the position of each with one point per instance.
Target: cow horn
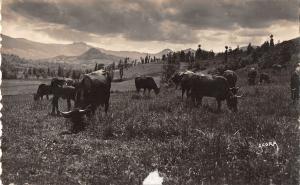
(238, 96)
(66, 114)
(83, 111)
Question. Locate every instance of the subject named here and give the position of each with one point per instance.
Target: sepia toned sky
(151, 25)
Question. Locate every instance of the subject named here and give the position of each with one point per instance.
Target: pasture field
(19, 86)
(139, 134)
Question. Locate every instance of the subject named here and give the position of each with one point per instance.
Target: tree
(249, 49)
(198, 53)
(48, 72)
(226, 54)
(73, 74)
(96, 67)
(271, 41)
(121, 71)
(60, 71)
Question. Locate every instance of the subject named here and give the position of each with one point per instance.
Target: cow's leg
(188, 93)
(145, 90)
(149, 92)
(54, 102)
(69, 103)
(182, 93)
(56, 106)
(47, 97)
(106, 106)
(219, 104)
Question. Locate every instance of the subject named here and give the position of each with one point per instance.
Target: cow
(295, 83)
(176, 79)
(213, 86)
(186, 83)
(145, 83)
(91, 91)
(264, 78)
(61, 90)
(252, 73)
(42, 90)
(231, 77)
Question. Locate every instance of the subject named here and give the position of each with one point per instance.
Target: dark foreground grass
(140, 134)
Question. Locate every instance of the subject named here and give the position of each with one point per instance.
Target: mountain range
(34, 50)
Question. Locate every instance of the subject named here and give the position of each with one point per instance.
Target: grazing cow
(146, 83)
(213, 86)
(61, 90)
(278, 67)
(231, 77)
(176, 78)
(264, 78)
(92, 91)
(43, 89)
(252, 76)
(295, 83)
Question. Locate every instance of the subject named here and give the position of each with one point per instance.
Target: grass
(140, 133)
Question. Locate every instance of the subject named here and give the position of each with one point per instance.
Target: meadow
(140, 133)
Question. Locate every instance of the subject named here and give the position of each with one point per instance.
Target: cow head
(75, 114)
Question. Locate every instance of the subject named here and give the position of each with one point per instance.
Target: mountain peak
(92, 53)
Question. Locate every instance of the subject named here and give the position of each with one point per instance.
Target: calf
(43, 89)
(146, 83)
(60, 90)
(231, 77)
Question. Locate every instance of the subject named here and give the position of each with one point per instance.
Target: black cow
(92, 91)
(252, 76)
(61, 90)
(176, 78)
(42, 90)
(213, 86)
(295, 83)
(264, 78)
(232, 78)
(186, 83)
(145, 83)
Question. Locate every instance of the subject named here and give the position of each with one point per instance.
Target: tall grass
(140, 133)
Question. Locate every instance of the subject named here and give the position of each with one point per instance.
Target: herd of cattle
(93, 89)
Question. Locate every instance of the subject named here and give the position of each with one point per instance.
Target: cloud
(170, 21)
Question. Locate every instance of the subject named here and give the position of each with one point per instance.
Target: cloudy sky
(151, 25)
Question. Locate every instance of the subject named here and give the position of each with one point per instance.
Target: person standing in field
(295, 83)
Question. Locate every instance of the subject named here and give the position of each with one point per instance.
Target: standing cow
(252, 76)
(213, 86)
(145, 83)
(42, 90)
(232, 78)
(186, 83)
(61, 90)
(92, 91)
(176, 78)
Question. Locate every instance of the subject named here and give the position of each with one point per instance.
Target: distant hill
(35, 50)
